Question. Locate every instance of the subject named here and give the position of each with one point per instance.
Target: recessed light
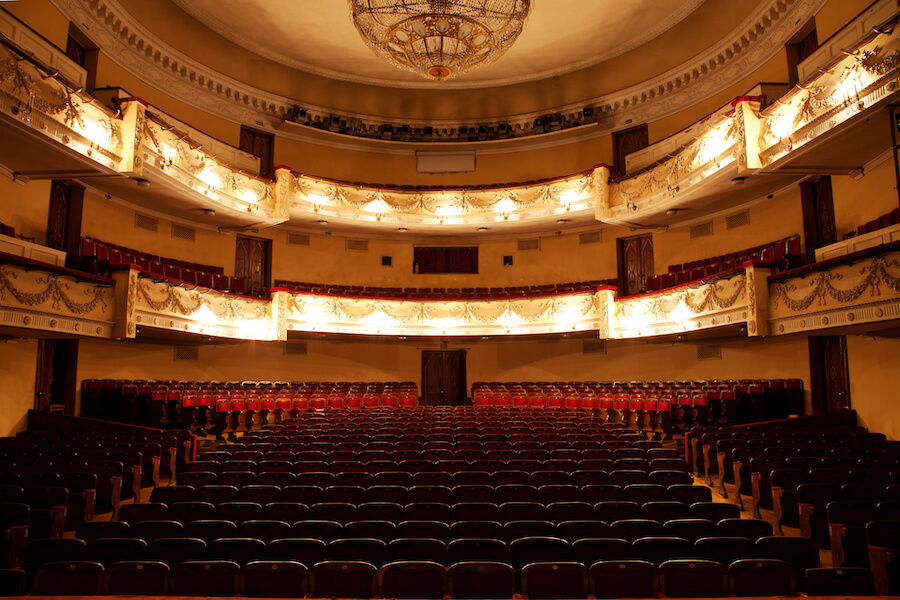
(402, 229)
(209, 212)
(562, 221)
(482, 229)
(322, 222)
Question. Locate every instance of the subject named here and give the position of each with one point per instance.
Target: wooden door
(56, 376)
(829, 374)
(635, 264)
(259, 144)
(251, 261)
(817, 203)
(627, 141)
(443, 377)
(837, 379)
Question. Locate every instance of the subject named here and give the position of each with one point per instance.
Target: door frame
(460, 375)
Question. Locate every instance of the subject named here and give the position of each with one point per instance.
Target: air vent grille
(701, 230)
(358, 245)
(532, 244)
(593, 347)
(709, 352)
(294, 348)
(591, 237)
(737, 220)
(145, 222)
(184, 233)
(298, 239)
(189, 353)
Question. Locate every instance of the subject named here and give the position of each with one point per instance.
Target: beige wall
(43, 17)
(112, 222)
(770, 220)
(874, 381)
(837, 13)
(25, 207)
(858, 201)
(19, 360)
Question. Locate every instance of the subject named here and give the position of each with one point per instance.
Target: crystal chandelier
(439, 39)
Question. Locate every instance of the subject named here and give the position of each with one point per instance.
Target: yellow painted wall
(25, 207)
(19, 360)
(837, 13)
(858, 202)
(112, 222)
(43, 17)
(874, 381)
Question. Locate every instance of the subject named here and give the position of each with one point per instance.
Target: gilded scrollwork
(822, 286)
(564, 192)
(664, 177)
(77, 298)
(162, 296)
(701, 300)
(326, 311)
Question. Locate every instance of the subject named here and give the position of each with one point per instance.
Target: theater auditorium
(449, 298)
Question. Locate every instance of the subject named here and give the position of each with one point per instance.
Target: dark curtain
(447, 260)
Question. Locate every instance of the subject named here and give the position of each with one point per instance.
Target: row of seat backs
(427, 580)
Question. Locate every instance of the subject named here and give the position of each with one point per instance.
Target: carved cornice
(742, 50)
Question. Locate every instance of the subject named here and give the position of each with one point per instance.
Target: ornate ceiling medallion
(439, 39)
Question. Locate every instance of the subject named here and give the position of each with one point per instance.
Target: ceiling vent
(709, 352)
(184, 233)
(145, 222)
(737, 220)
(189, 353)
(532, 244)
(701, 230)
(298, 239)
(294, 348)
(593, 347)
(358, 245)
(591, 237)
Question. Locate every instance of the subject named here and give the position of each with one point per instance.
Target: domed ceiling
(560, 36)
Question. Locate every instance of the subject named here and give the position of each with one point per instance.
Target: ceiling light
(322, 222)
(672, 211)
(482, 229)
(439, 39)
(402, 229)
(562, 221)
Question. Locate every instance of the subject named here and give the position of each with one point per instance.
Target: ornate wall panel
(375, 316)
(164, 305)
(859, 78)
(865, 291)
(42, 300)
(50, 108)
(703, 305)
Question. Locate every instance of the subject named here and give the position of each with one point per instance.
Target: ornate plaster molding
(742, 50)
(707, 304)
(41, 300)
(866, 291)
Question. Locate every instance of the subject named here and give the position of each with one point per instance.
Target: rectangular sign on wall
(445, 162)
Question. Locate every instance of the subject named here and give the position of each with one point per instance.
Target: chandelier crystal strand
(439, 39)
